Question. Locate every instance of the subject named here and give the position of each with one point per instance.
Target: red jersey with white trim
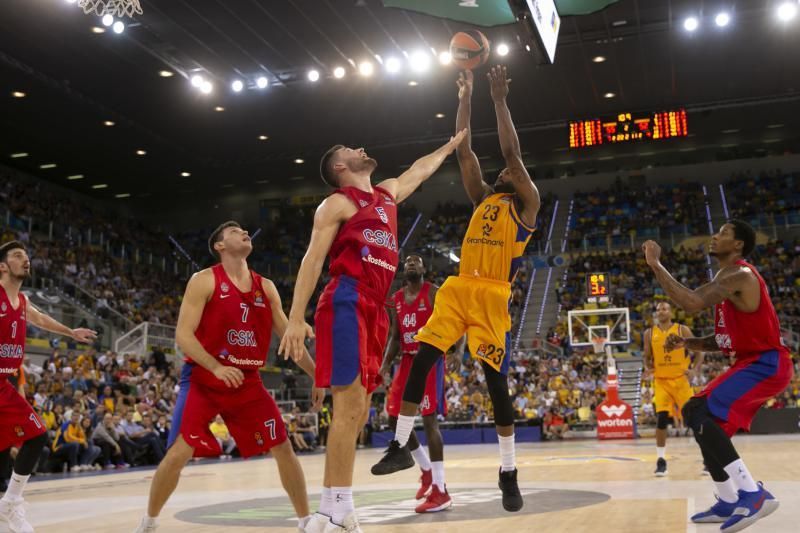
(13, 325)
(411, 317)
(236, 327)
(365, 248)
(748, 335)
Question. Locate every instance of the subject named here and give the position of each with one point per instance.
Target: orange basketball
(469, 49)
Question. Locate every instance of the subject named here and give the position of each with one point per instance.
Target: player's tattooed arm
(702, 344)
(471, 174)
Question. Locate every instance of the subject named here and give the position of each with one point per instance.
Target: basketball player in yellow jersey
(476, 301)
(670, 375)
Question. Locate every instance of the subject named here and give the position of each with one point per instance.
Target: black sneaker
(512, 499)
(661, 468)
(395, 459)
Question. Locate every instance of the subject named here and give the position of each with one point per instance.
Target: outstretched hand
(455, 140)
(498, 83)
(464, 83)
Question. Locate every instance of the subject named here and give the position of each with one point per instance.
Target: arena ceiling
(736, 82)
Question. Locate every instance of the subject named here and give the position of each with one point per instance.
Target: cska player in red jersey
(357, 227)
(225, 327)
(413, 306)
(747, 328)
(19, 423)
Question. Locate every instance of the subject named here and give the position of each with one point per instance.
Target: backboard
(613, 324)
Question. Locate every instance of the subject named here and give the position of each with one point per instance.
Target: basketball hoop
(599, 344)
(116, 8)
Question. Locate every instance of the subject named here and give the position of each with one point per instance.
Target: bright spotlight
(71, 1)
(787, 11)
(262, 82)
(445, 58)
(502, 49)
(119, 27)
(691, 24)
(420, 61)
(393, 65)
(722, 19)
(206, 87)
(237, 86)
(107, 20)
(366, 68)
(338, 73)
(197, 80)
(313, 75)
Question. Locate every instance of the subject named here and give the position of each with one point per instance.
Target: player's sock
(438, 474)
(15, 487)
(326, 502)
(303, 521)
(507, 456)
(405, 425)
(421, 458)
(342, 503)
(726, 490)
(741, 476)
(662, 452)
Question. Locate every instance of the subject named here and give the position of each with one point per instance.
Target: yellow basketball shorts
(477, 307)
(671, 394)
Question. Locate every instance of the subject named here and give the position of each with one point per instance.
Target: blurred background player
(746, 327)
(413, 305)
(670, 371)
(19, 423)
(476, 301)
(225, 327)
(357, 227)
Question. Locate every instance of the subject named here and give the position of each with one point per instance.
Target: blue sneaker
(716, 514)
(751, 507)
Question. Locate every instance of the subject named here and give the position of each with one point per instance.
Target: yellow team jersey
(495, 240)
(671, 364)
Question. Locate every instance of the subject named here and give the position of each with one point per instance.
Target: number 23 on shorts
(491, 352)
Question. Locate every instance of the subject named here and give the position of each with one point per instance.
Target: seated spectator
(146, 437)
(73, 432)
(106, 437)
(223, 436)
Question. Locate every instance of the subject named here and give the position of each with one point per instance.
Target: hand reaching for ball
(498, 83)
(464, 83)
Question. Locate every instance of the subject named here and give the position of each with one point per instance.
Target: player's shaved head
(326, 165)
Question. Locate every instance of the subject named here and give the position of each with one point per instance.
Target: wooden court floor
(569, 486)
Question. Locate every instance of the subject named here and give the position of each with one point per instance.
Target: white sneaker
(349, 525)
(12, 513)
(75, 468)
(147, 525)
(317, 524)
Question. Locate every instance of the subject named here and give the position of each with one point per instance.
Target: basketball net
(599, 344)
(116, 8)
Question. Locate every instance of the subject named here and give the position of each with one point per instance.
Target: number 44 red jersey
(411, 317)
(236, 327)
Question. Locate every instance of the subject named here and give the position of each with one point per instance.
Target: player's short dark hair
(6, 247)
(659, 302)
(326, 171)
(216, 236)
(742, 231)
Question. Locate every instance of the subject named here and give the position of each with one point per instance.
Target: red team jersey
(13, 325)
(411, 317)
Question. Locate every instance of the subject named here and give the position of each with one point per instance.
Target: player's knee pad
(696, 413)
(423, 362)
(662, 420)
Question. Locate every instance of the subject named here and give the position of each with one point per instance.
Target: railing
(146, 336)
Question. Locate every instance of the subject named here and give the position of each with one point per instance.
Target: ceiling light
(609, 95)
(197, 80)
(299, 161)
(412, 83)
(18, 94)
(123, 195)
(379, 59)
(393, 65)
(262, 82)
(186, 174)
(365, 68)
(97, 29)
(528, 47)
(313, 75)
(262, 137)
(107, 20)
(206, 88)
(599, 59)
(691, 24)
(108, 123)
(296, 178)
(773, 126)
(119, 27)
(18, 155)
(100, 186)
(75, 177)
(219, 109)
(787, 11)
(262, 182)
(732, 130)
(445, 58)
(165, 73)
(47, 165)
(237, 86)
(618, 23)
(338, 73)
(439, 115)
(71, 1)
(722, 19)
(502, 49)
(140, 152)
(420, 61)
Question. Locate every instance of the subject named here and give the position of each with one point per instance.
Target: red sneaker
(426, 480)
(435, 502)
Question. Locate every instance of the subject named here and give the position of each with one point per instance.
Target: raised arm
(471, 175)
(423, 168)
(509, 144)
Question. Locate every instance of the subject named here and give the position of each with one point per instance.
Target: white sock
(421, 458)
(726, 490)
(507, 458)
(405, 425)
(303, 521)
(662, 452)
(326, 502)
(438, 474)
(741, 476)
(342, 503)
(15, 487)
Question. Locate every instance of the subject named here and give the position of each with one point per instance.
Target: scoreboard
(628, 127)
(597, 287)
